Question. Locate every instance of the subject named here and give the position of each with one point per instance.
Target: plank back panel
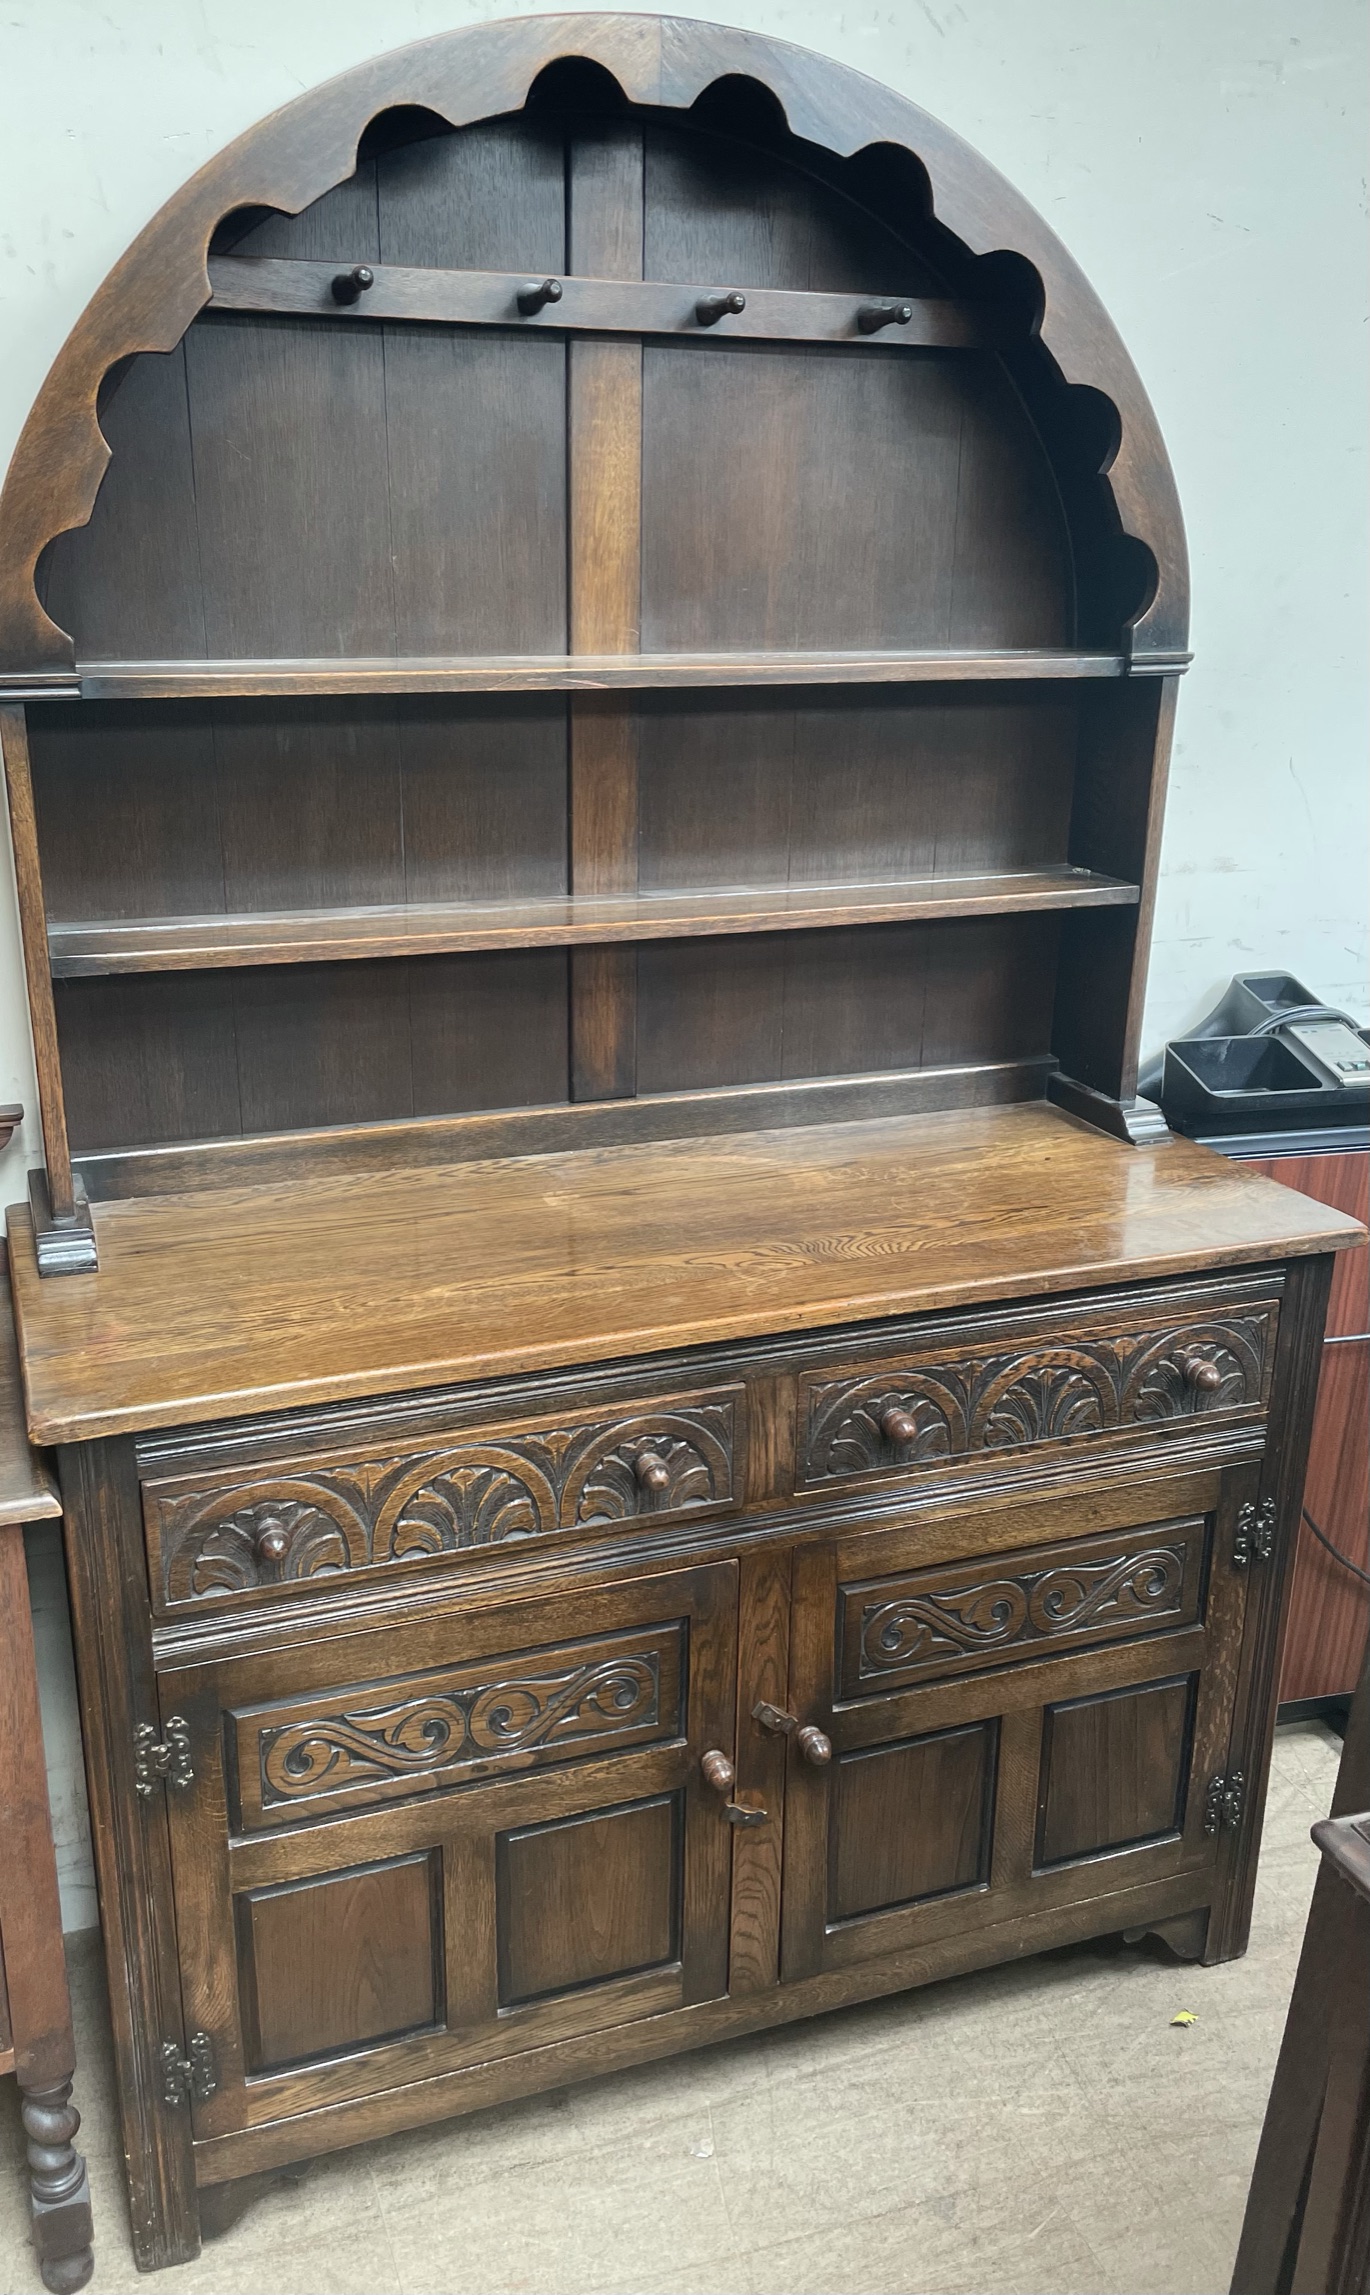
(177, 1056)
(223, 808)
(301, 486)
(822, 1004)
(722, 210)
(829, 787)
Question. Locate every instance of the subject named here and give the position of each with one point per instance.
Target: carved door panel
(410, 1849)
(1026, 1709)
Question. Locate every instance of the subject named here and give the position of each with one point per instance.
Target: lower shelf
(312, 936)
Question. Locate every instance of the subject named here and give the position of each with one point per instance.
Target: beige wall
(1203, 159)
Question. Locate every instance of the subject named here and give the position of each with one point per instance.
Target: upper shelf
(569, 673)
(313, 936)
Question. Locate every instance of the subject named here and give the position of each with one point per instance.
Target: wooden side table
(36, 2042)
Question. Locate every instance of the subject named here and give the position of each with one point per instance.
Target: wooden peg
(537, 294)
(873, 316)
(350, 286)
(711, 308)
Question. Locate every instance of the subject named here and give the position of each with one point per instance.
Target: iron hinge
(161, 1761)
(1224, 1803)
(1254, 1540)
(188, 2078)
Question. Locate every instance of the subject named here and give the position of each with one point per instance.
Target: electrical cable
(1300, 1012)
(1335, 1551)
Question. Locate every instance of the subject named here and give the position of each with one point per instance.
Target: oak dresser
(651, 1439)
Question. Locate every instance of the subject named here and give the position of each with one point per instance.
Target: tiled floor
(1041, 2129)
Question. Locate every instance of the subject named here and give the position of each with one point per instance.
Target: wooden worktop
(251, 1299)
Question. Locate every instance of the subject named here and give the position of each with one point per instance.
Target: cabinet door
(1026, 1710)
(408, 1850)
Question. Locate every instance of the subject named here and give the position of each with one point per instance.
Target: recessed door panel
(340, 1961)
(587, 1899)
(1114, 1769)
(911, 1821)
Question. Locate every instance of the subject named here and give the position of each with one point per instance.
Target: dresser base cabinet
(385, 1844)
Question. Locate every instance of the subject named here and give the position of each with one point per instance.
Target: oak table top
(219, 1305)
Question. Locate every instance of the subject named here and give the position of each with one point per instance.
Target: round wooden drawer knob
(271, 1543)
(815, 1747)
(897, 1427)
(719, 1772)
(1206, 1377)
(653, 1474)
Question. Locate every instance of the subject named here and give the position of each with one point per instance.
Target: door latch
(1224, 1803)
(1254, 1537)
(188, 2078)
(721, 1774)
(161, 1761)
(815, 1747)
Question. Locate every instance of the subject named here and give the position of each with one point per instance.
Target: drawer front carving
(386, 1740)
(956, 1617)
(1052, 1390)
(283, 1524)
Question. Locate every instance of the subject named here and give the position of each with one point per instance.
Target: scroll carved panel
(379, 1740)
(1057, 1391)
(282, 1525)
(959, 1616)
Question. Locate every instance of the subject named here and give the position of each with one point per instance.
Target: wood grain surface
(578, 673)
(219, 1305)
(303, 936)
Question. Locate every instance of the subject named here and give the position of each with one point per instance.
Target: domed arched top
(302, 151)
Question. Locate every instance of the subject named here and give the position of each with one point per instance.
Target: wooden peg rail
(704, 312)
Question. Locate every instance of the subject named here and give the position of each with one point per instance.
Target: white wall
(1203, 159)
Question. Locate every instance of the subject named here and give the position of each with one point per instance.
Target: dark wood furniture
(36, 2042)
(1307, 2225)
(643, 1451)
(1329, 1608)
(1329, 1604)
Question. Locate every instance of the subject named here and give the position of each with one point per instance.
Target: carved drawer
(320, 1513)
(1135, 1368)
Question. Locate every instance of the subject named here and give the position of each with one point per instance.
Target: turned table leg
(35, 1971)
(58, 2190)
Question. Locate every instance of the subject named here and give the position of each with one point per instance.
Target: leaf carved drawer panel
(1096, 1376)
(419, 1733)
(958, 1617)
(237, 1531)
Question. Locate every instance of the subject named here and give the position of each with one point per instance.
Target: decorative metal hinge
(191, 2077)
(164, 1761)
(1254, 1540)
(1224, 1803)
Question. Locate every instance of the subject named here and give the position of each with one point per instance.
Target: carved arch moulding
(304, 150)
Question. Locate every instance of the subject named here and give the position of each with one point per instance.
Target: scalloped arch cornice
(296, 154)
